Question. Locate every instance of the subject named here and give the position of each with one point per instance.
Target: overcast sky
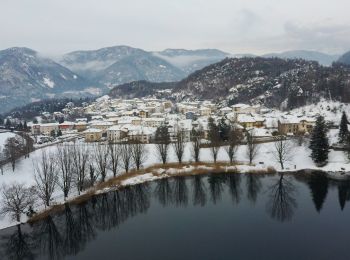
(235, 26)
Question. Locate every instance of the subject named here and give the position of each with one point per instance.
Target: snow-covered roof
(101, 123)
(67, 123)
(92, 130)
(226, 109)
(242, 118)
(240, 106)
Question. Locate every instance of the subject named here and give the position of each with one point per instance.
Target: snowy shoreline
(154, 173)
(338, 167)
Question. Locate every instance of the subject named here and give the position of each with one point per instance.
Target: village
(117, 120)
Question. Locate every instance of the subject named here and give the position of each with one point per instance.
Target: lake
(219, 216)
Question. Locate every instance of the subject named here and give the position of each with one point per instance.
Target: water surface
(218, 216)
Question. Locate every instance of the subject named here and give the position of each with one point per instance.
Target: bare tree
(214, 138)
(179, 145)
(80, 165)
(92, 174)
(28, 144)
(2, 160)
(16, 198)
(139, 154)
(45, 177)
(65, 168)
(252, 147)
(101, 159)
(233, 141)
(126, 156)
(114, 157)
(196, 144)
(16, 146)
(162, 140)
(13, 150)
(283, 150)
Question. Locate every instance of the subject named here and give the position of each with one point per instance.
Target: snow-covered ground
(24, 172)
(4, 136)
(330, 110)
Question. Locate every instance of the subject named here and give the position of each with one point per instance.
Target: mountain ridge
(273, 82)
(27, 76)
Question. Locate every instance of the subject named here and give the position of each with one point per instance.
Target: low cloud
(326, 37)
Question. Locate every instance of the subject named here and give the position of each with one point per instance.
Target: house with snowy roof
(295, 125)
(93, 135)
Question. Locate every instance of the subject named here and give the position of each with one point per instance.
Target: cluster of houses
(116, 120)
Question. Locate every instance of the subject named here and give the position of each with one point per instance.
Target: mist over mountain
(123, 64)
(322, 58)
(26, 76)
(191, 60)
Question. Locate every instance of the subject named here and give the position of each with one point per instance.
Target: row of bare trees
(163, 143)
(70, 166)
(80, 166)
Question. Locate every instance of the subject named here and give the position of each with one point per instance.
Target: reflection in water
(70, 231)
(48, 238)
(234, 182)
(281, 203)
(343, 193)
(253, 187)
(180, 191)
(163, 192)
(18, 245)
(318, 184)
(216, 185)
(199, 191)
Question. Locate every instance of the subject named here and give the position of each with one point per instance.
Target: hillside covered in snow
(273, 82)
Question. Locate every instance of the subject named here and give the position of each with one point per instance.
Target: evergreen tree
(59, 132)
(20, 126)
(35, 121)
(213, 130)
(1, 121)
(343, 128)
(25, 126)
(8, 124)
(224, 129)
(319, 142)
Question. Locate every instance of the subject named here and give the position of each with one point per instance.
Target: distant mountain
(122, 64)
(191, 60)
(345, 58)
(273, 82)
(25, 76)
(322, 58)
